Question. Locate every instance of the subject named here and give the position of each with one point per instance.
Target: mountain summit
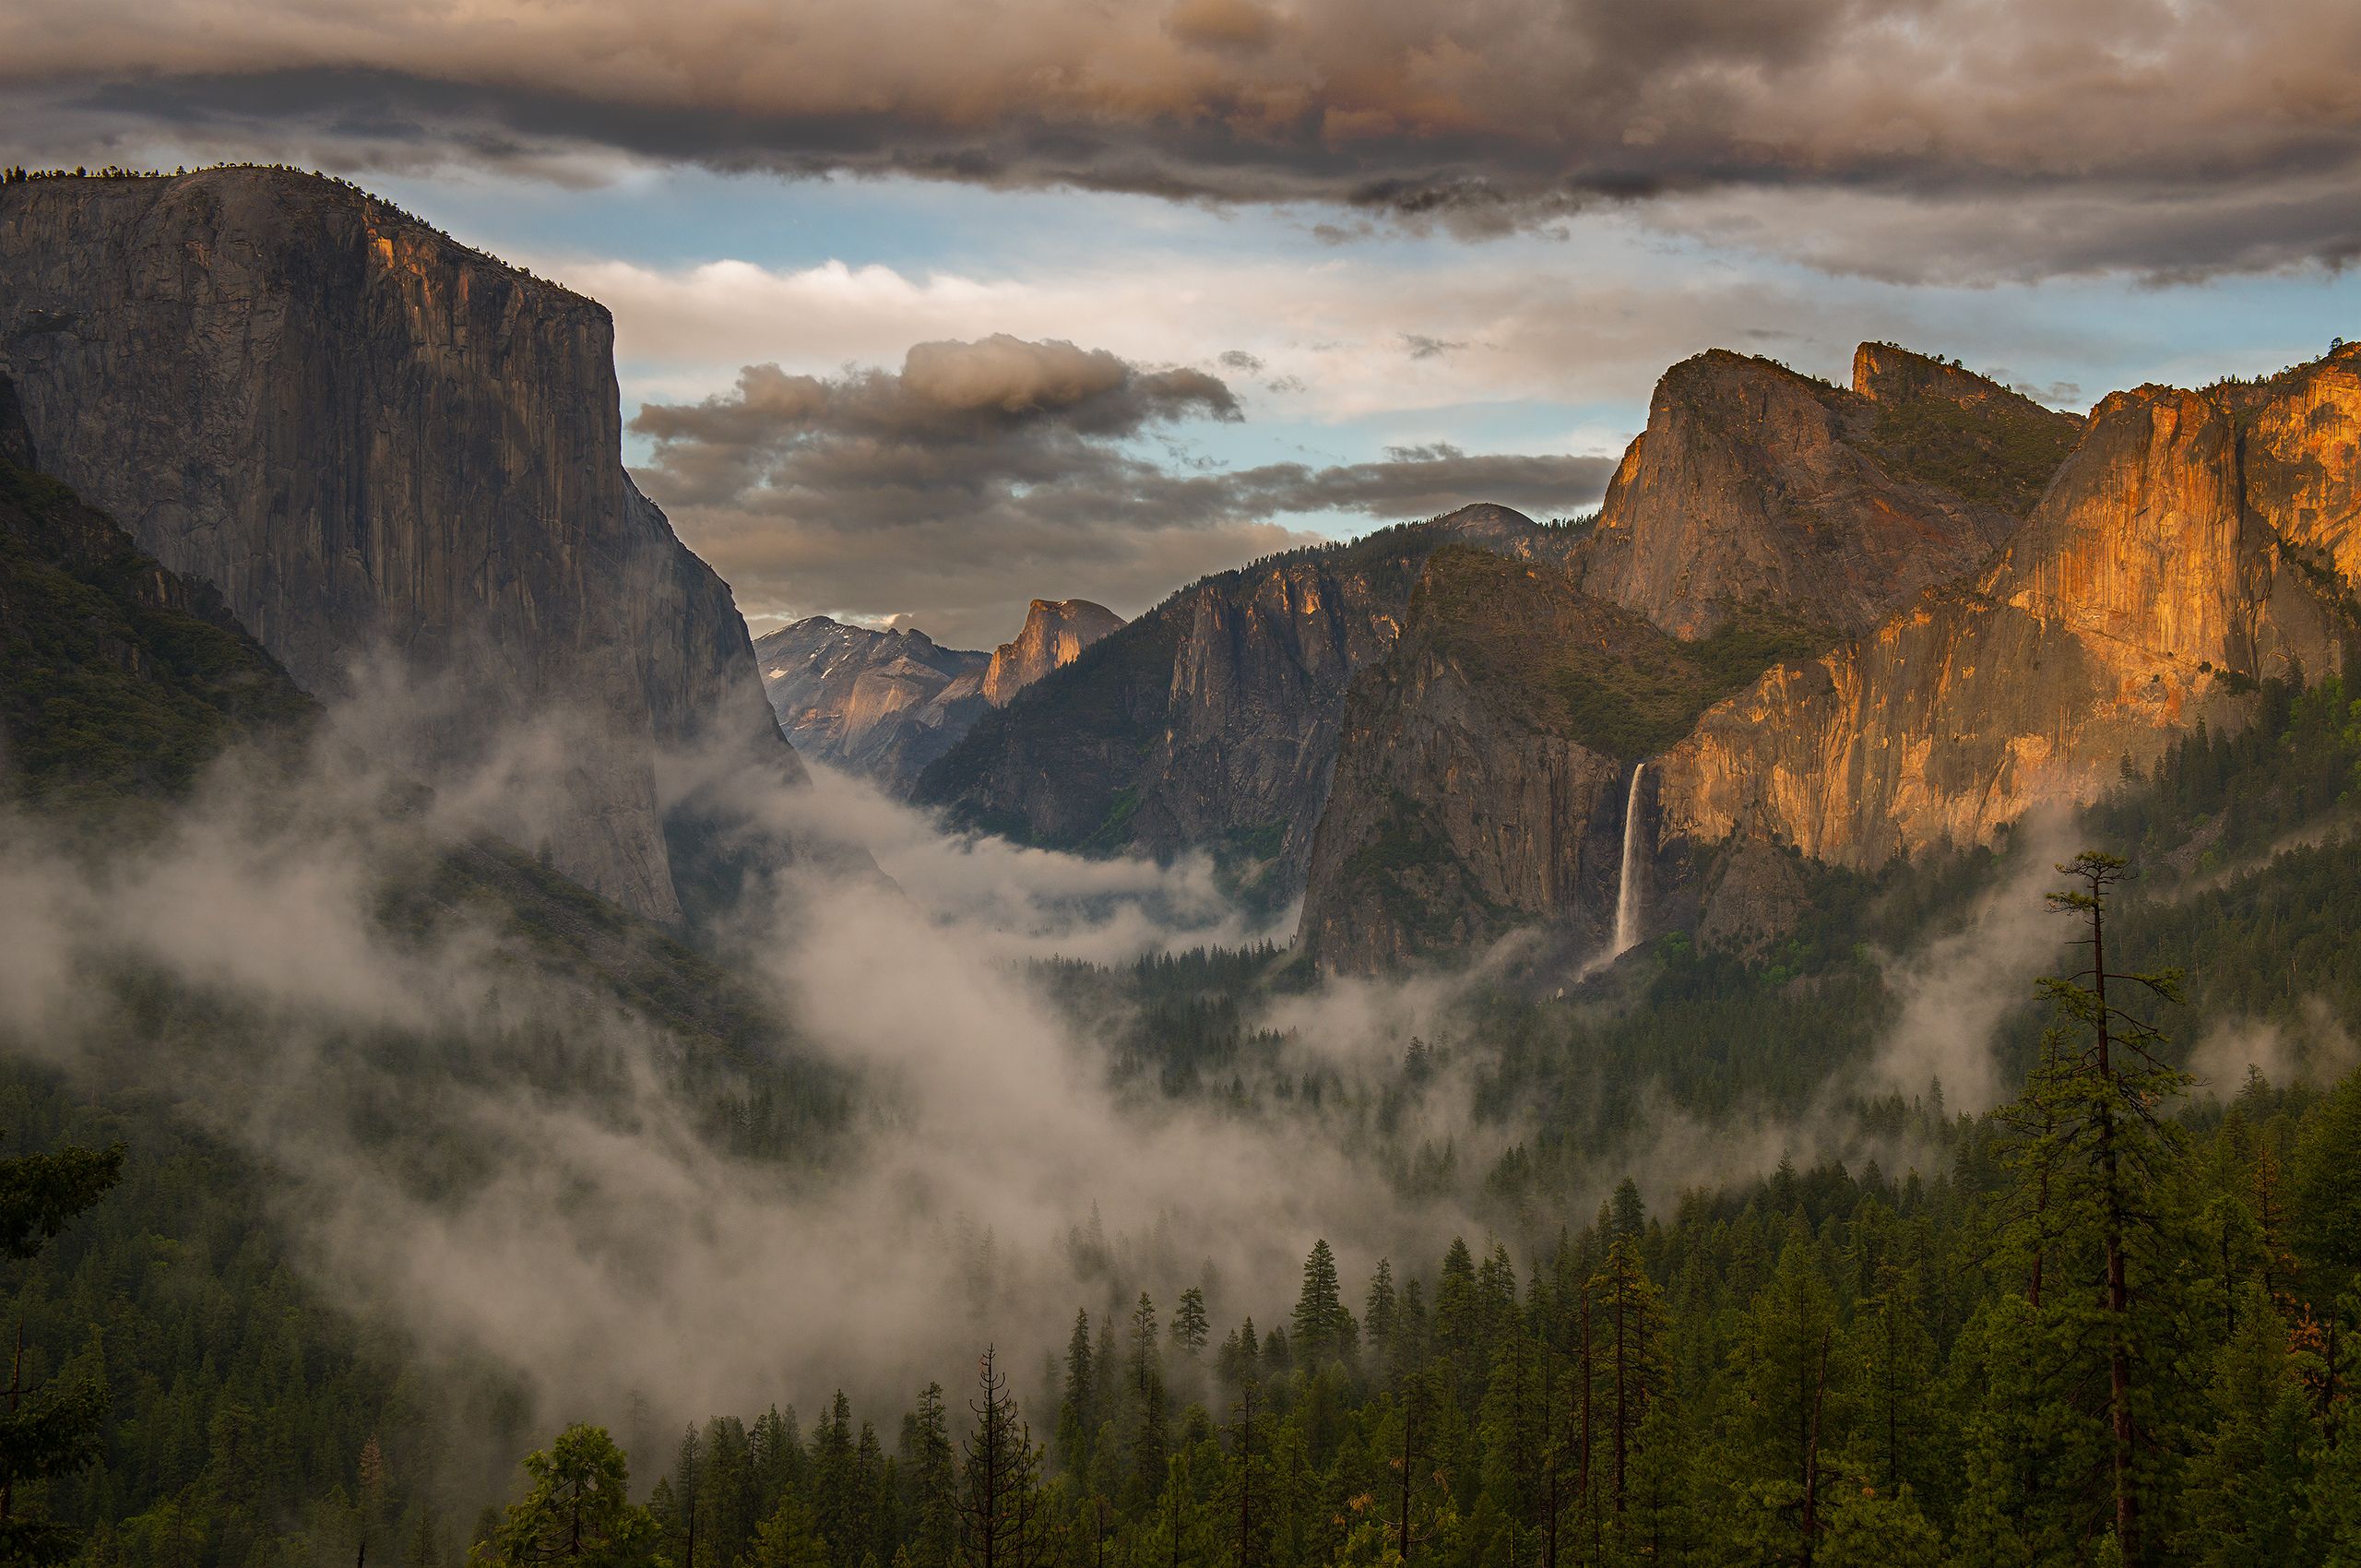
(1055, 633)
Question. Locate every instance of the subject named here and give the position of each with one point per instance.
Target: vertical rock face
(1211, 721)
(1467, 799)
(2189, 548)
(380, 446)
(2303, 456)
(118, 679)
(1486, 763)
(1753, 487)
(1055, 633)
(878, 704)
(2145, 593)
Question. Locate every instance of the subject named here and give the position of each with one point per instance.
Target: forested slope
(1898, 1358)
(249, 1419)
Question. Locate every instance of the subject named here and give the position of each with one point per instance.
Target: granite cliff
(1211, 721)
(1756, 488)
(1477, 787)
(2168, 569)
(2193, 545)
(121, 681)
(381, 448)
(1487, 762)
(885, 703)
(1055, 633)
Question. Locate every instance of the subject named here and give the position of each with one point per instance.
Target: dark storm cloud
(2168, 137)
(981, 475)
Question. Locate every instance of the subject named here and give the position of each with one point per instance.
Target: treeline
(2096, 1333)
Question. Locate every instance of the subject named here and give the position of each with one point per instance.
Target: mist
(557, 1207)
(553, 1206)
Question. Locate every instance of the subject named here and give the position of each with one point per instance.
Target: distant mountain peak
(1055, 633)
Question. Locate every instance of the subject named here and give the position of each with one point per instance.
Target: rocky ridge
(386, 451)
(881, 704)
(2193, 545)
(2163, 575)
(1487, 762)
(1755, 487)
(1211, 721)
(1468, 797)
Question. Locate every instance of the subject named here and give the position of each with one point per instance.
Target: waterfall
(1627, 890)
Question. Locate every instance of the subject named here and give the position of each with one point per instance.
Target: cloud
(955, 412)
(595, 1242)
(1422, 481)
(1956, 989)
(1587, 325)
(981, 475)
(2101, 134)
(2312, 1048)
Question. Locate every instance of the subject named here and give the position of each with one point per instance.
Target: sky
(925, 309)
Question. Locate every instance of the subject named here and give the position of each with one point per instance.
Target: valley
(1488, 1040)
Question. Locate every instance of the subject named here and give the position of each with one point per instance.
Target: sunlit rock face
(1753, 487)
(2149, 590)
(1055, 633)
(2301, 450)
(383, 447)
(882, 704)
(1487, 764)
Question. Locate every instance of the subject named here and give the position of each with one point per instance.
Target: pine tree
(865, 1527)
(56, 1430)
(837, 1500)
(1894, 1360)
(579, 1510)
(682, 1525)
(1379, 1311)
(1458, 1323)
(2099, 1148)
(1190, 1324)
(1785, 1434)
(1246, 1489)
(775, 1459)
(1238, 1362)
(1078, 1410)
(1512, 1428)
(2250, 1483)
(1324, 1330)
(999, 1511)
(726, 1489)
(790, 1537)
(1146, 1368)
(1628, 1333)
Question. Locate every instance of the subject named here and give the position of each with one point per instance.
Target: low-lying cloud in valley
(512, 1170)
(503, 1164)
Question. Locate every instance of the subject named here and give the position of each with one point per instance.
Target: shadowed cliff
(1211, 721)
(383, 447)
